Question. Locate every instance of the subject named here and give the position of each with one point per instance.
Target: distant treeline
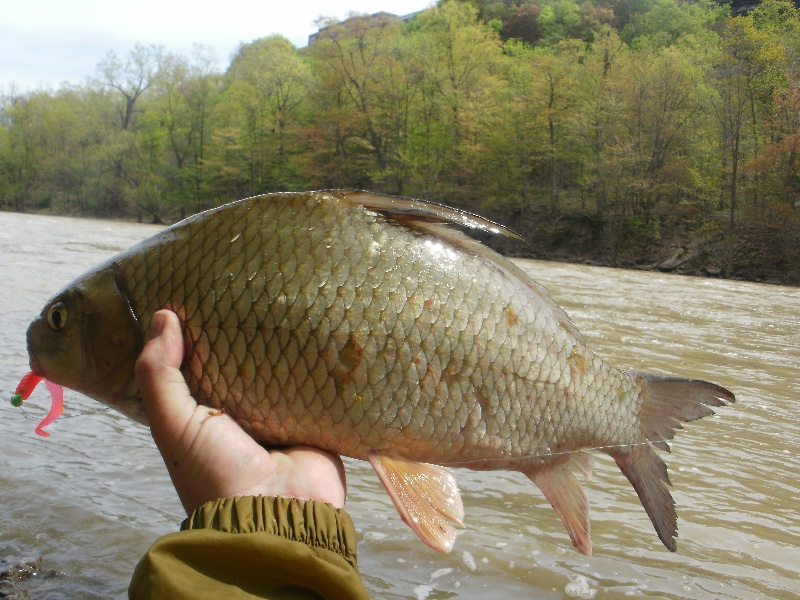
(640, 116)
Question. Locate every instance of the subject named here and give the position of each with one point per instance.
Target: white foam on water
(469, 560)
(440, 572)
(421, 592)
(579, 588)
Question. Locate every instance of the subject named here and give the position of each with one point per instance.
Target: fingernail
(157, 324)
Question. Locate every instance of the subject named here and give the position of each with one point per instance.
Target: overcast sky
(46, 42)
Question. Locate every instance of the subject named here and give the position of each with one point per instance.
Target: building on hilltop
(379, 18)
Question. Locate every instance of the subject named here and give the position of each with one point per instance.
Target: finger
(166, 398)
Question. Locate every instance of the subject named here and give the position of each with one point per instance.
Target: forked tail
(666, 402)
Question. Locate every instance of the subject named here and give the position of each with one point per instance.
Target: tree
(269, 80)
(459, 66)
(740, 78)
(555, 71)
(22, 164)
(357, 68)
(661, 106)
(602, 73)
(523, 24)
(186, 95)
(131, 77)
(781, 156)
(559, 20)
(663, 23)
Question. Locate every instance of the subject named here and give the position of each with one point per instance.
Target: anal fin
(425, 495)
(566, 495)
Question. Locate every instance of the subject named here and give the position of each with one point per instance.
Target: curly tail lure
(24, 390)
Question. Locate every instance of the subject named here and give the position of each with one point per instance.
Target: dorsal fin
(413, 211)
(437, 220)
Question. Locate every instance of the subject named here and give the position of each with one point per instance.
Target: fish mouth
(36, 367)
(35, 363)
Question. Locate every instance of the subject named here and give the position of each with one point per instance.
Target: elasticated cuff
(315, 524)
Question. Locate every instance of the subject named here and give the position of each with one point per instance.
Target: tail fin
(666, 402)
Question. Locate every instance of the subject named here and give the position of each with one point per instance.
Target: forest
(640, 133)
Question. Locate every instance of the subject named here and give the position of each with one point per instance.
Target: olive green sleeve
(254, 547)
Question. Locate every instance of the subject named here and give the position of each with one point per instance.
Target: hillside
(654, 134)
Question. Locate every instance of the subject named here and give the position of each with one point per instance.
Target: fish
(373, 326)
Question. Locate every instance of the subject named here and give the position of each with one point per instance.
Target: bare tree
(133, 76)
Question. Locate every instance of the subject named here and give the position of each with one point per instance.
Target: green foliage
(662, 23)
(626, 112)
(780, 16)
(267, 82)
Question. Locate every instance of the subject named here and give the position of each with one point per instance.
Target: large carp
(369, 326)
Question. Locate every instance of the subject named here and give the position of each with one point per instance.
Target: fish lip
(36, 367)
(34, 362)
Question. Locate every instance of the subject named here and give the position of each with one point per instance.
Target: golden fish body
(367, 326)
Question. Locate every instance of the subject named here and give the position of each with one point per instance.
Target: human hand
(207, 454)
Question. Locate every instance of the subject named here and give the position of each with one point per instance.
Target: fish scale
(367, 325)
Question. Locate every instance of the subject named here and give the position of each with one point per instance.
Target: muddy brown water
(91, 498)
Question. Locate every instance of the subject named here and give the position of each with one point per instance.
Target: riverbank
(761, 253)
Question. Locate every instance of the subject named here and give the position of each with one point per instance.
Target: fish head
(87, 339)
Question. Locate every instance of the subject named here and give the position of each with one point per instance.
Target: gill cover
(87, 339)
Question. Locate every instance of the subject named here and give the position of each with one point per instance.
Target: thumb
(166, 397)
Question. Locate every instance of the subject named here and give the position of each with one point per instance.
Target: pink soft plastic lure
(23, 391)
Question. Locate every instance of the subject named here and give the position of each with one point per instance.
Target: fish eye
(57, 316)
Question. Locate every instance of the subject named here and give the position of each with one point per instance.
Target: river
(91, 498)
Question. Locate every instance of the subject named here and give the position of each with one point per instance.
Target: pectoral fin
(567, 497)
(425, 495)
